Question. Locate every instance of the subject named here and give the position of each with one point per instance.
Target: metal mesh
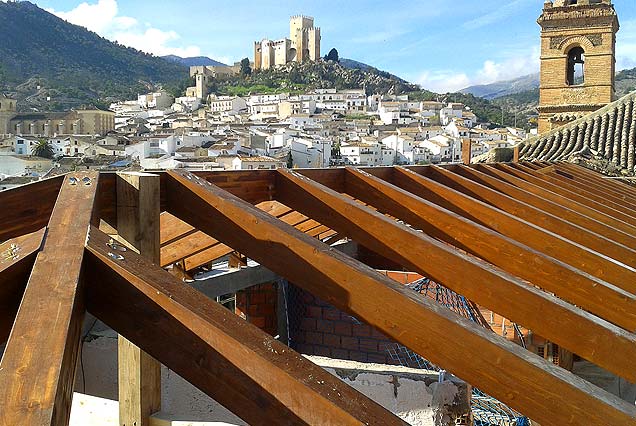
(486, 410)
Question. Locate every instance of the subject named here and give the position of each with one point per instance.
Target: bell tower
(7, 112)
(578, 39)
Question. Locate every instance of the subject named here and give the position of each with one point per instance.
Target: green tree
(42, 149)
(246, 69)
(290, 160)
(332, 55)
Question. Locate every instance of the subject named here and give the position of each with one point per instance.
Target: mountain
(43, 56)
(504, 88)
(195, 61)
(526, 101)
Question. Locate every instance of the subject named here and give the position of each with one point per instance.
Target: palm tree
(42, 149)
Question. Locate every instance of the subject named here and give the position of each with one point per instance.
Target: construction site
(490, 294)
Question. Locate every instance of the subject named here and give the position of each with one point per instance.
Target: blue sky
(440, 44)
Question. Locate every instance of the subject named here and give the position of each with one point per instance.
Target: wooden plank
(249, 372)
(595, 264)
(171, 228)
(506, 371)
(185, 247)
(544, 186)
(529, 213)
(501, 292)
(211, 254)
(38, 367)
(27, 208)
(138, 224)
(581, 289)
(16, 260)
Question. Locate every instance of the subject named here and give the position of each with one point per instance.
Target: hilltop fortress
(303, 44)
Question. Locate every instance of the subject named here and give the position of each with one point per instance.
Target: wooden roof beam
(256, 377)
(27, 208)
(498, 291)
(554, 245)
(617, 186)
(579, 288)
(544, 392)
(16, 260)
(38, 367)
(553, 187)
(549, 221)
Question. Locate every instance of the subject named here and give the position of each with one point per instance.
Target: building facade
(578, 39)
(303, 44)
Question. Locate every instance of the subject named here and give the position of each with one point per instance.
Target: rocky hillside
(298, 77)
(44, 57)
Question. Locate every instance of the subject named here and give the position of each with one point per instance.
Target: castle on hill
(303, 44)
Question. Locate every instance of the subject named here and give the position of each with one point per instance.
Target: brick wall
(258, 306)
(317, 328)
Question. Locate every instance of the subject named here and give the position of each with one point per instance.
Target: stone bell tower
(8, 108)
(578, 39)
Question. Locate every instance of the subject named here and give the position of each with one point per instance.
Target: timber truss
(549, 246)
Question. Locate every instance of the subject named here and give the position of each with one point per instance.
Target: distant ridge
(504, 88)
(195, 61)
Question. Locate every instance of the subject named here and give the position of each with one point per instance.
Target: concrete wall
(416, 396)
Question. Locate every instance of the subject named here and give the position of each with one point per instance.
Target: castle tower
(258, 55)
(8, 108)
(578, 39)
(299, 27)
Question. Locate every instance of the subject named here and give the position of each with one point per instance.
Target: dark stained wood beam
(581, 289)
(501, 292)
(544, 392)
(16, 260)
(548, 221)
(27, 208)
(258, 378)
(529, 234)
(38, 368)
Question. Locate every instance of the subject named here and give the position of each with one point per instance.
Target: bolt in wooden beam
(38, 368)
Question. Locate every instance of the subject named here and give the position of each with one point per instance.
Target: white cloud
(490, 72)
(103, 18)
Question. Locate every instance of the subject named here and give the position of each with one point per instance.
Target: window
(576, 66)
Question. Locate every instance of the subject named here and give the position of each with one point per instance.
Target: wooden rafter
(250, 373)
(550, 198)
(598, 297)
(545, 217)
(45, 338)
(464, 196)
(502, 293)
(542, 391)
(27, 208)
(16, 260)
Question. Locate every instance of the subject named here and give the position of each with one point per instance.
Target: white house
(229, 104)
